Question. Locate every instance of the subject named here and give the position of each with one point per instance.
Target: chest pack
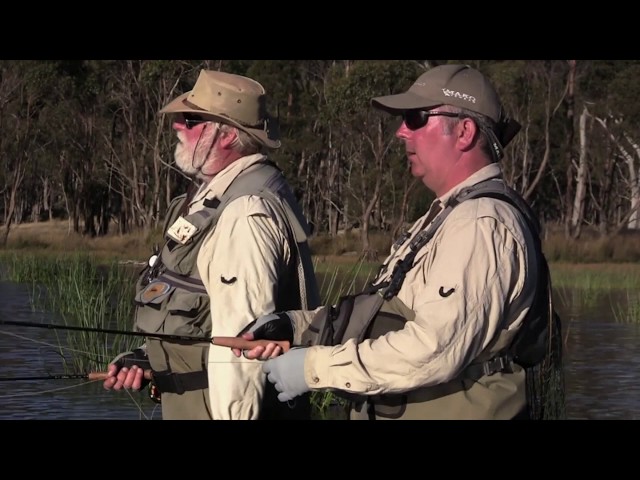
(377, 310)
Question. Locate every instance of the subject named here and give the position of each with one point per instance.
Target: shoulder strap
(173, 210)
(499, 190)
(493, 188)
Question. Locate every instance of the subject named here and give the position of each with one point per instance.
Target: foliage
(82, 139)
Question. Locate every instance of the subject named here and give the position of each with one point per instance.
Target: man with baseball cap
(459, 312)
(236, 248)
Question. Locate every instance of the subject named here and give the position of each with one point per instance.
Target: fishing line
(60, 389)
(52, 390)
(56, 348)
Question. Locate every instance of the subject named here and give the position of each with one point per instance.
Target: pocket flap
(154, 293)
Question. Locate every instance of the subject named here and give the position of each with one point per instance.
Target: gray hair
(244, 143)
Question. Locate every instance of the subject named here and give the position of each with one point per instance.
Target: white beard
(184, 159)
(191, 156)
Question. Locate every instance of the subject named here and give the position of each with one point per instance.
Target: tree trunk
(581, 178)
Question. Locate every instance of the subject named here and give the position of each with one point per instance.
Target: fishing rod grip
(148, 374)
(243, 344)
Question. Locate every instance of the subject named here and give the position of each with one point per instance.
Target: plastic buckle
(494, 365)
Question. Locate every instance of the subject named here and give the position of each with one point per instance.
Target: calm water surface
(34, 352)
(602, 368)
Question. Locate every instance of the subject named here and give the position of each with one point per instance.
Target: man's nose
(402, 132)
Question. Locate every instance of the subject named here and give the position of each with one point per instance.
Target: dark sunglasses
(415, 119)
(191, 120)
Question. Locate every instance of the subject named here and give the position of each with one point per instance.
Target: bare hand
(271, 350)
(128, 378)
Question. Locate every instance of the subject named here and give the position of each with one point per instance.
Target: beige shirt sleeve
(460, 289)
(240, 263)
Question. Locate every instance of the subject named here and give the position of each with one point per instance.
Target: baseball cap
(457, 85)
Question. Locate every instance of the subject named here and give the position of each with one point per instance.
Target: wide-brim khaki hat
(457, 85)
(231, 99)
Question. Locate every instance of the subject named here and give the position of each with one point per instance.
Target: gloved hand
(286, 372)
(274, 326)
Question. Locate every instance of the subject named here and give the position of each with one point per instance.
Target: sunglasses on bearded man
(415, 119)
(191, 120)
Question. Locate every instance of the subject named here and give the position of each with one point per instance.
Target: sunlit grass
(583, 285)
(596, 276)
(337, 278)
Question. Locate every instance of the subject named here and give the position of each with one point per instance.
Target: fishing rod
(75, 376)
(230, 342)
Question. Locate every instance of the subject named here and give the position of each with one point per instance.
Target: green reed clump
(339, 279)
(81, 293)
(583, 286)
(596, 276)
(628, 311)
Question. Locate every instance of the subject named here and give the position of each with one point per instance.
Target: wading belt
(169, 382)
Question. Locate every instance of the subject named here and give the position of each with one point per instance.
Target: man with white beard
(236, 248)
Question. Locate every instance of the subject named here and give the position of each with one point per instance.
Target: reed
(80, 292)
(627, 311)
(582, 286)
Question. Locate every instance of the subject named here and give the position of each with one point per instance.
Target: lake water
(602, 368)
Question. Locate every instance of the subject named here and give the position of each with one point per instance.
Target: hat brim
(396, 104)
(182, 105)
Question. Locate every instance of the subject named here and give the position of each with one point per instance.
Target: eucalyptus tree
(612, 141)
(538, 93)
(364, 137)
(75, 123)
(25, 93)
(139, 141)
(11, 175)
(296, 91)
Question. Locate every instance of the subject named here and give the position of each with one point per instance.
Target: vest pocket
(177, 313)
(186, 314)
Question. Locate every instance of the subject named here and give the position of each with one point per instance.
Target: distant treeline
(83, 140)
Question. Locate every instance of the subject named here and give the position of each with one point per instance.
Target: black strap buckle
(498, 364)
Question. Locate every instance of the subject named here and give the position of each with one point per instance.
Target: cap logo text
(463, 96)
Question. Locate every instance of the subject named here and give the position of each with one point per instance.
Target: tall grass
(79, 292)
(582, 286)
(338, 279)
(629, 310)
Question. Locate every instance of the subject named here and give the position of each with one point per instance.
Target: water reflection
(602, 362)
(602, 365)
(36, 352)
